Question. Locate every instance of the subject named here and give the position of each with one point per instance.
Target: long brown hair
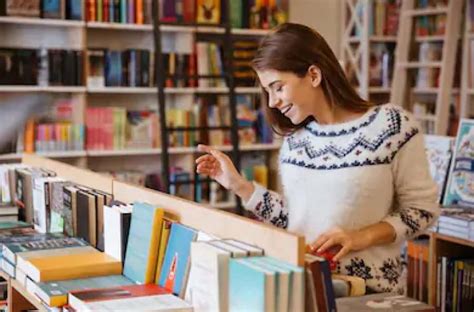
(294, 48)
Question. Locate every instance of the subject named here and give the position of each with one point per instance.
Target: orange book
(72, 266)
(30, 136)
(139, 16)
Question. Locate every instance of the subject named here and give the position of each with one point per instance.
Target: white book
(161, 303)
(208, 288)
(21, 276)
(7, 267)
(236, 252)
(41, 204)
(113, 231)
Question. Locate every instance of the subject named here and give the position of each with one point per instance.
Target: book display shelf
(142, 97)
(290, 248)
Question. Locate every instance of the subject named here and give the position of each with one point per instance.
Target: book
(282, 282)
(208, 11)
(297, 282)
(174, 272)
(9, 225)
(147, 303)
(165, 233)
(55, 293)
(439, 151)
(460, 187)
(383, 301)
(208, 285)
(72, 266)
(117, 220)
(80, 299)
(251, 288)
(42, 202)
(143, 243)
(12, 250)
(321, 295)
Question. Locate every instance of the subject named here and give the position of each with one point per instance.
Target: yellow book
(71, 266)
(208, 11)
(165, 233)
(260, 174)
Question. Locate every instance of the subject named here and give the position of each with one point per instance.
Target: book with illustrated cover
(460, 187)
(175, 269)
(208, 11)
(439, 150)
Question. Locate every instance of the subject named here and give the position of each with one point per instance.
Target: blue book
(174, 271)
(52, 9)
(143, 243)
(113, 68)
(297, 281)
(251, 287)
(74, 10)
(123, 11)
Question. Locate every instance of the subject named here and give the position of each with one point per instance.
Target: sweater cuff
(400, 228)
(255, 198)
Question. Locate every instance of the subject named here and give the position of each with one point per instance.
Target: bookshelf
(444, 245)
(368, 43)
(88, 34)
(426, 56)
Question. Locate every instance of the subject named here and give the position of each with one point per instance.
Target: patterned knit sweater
(352, 175)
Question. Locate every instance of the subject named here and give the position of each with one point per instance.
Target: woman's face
(293, 96)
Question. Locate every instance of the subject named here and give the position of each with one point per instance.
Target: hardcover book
(174, 272)
(460, 187)
(439, 150)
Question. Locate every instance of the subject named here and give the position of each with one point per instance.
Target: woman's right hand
(219, 167)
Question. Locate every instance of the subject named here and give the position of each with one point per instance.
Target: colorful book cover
(143, 243)
(175, 267)
(460, 187)
(439, 151)
(55, 293)
(208, 11)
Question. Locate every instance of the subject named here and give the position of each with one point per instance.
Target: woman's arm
(266, 205)
(415, 207)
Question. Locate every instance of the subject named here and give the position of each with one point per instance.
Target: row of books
(243, 52)
(112, 68)
(52, 137)
(115, 128)
(41, 67)
(119, 11)
(260, 14)
(457, 222)
(386, 15)
(432, 25)
(155, 250)
(381, 62)
(383, 17)
(57, 9)
(455, 284)
(417, 269)
(425, 4)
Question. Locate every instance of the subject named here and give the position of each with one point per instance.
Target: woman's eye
(278, 89)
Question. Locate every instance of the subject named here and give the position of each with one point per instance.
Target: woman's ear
(315, 75)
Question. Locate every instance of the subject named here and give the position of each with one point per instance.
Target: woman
(355, 176)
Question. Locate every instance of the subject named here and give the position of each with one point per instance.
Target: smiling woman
(355, 176)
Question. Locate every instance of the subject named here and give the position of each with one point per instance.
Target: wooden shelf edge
(21, 290)
(452, 239)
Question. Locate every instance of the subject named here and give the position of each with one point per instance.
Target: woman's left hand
(347, 240)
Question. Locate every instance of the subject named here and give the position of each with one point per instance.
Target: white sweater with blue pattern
(353, 175)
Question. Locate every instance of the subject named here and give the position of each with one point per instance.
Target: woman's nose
(273, 101)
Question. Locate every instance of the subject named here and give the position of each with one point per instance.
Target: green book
(10, 225)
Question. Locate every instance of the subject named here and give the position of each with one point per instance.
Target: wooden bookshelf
(444, 245)
(119, 26)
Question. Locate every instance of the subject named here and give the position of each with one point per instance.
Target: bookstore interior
(102, 205)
